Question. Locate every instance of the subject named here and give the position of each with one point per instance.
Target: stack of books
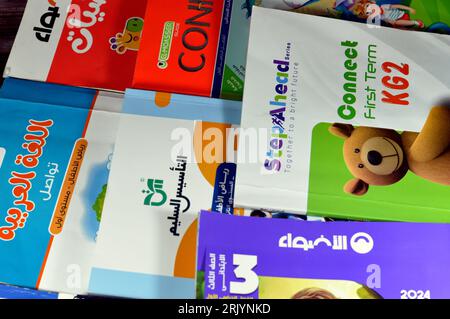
(141, 140)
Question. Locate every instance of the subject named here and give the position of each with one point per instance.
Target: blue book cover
(55, 150)
(12, 292)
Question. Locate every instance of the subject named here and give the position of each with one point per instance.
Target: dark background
(10, 15)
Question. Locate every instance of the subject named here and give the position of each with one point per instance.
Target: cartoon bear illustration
(381, 157)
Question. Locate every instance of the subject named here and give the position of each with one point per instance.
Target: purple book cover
(241, 257)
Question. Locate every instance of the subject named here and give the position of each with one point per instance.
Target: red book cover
(88, 43)
(179, 46)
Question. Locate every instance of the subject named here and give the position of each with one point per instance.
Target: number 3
(244, 270)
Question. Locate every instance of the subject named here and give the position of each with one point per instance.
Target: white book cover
(70, 255)
(171, 153)
(316, 90)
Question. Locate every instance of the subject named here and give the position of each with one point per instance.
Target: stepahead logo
(361, 243)
(47, 22)
(154, 192)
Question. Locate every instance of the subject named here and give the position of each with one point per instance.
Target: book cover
(12, 292)
(196, 48)
(16, 293)
(171, 153)
(428, 16)
(285, 259)
(55, 155)
(354, 122)
(81, 43)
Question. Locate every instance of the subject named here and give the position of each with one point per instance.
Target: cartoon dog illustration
(130, 39)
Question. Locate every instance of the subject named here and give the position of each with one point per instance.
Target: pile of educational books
(141, 140)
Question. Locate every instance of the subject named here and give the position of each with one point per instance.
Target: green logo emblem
(155, 194)
(166, 44)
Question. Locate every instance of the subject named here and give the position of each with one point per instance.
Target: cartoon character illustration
(130, 39)
(395, 15)
(381, 157)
